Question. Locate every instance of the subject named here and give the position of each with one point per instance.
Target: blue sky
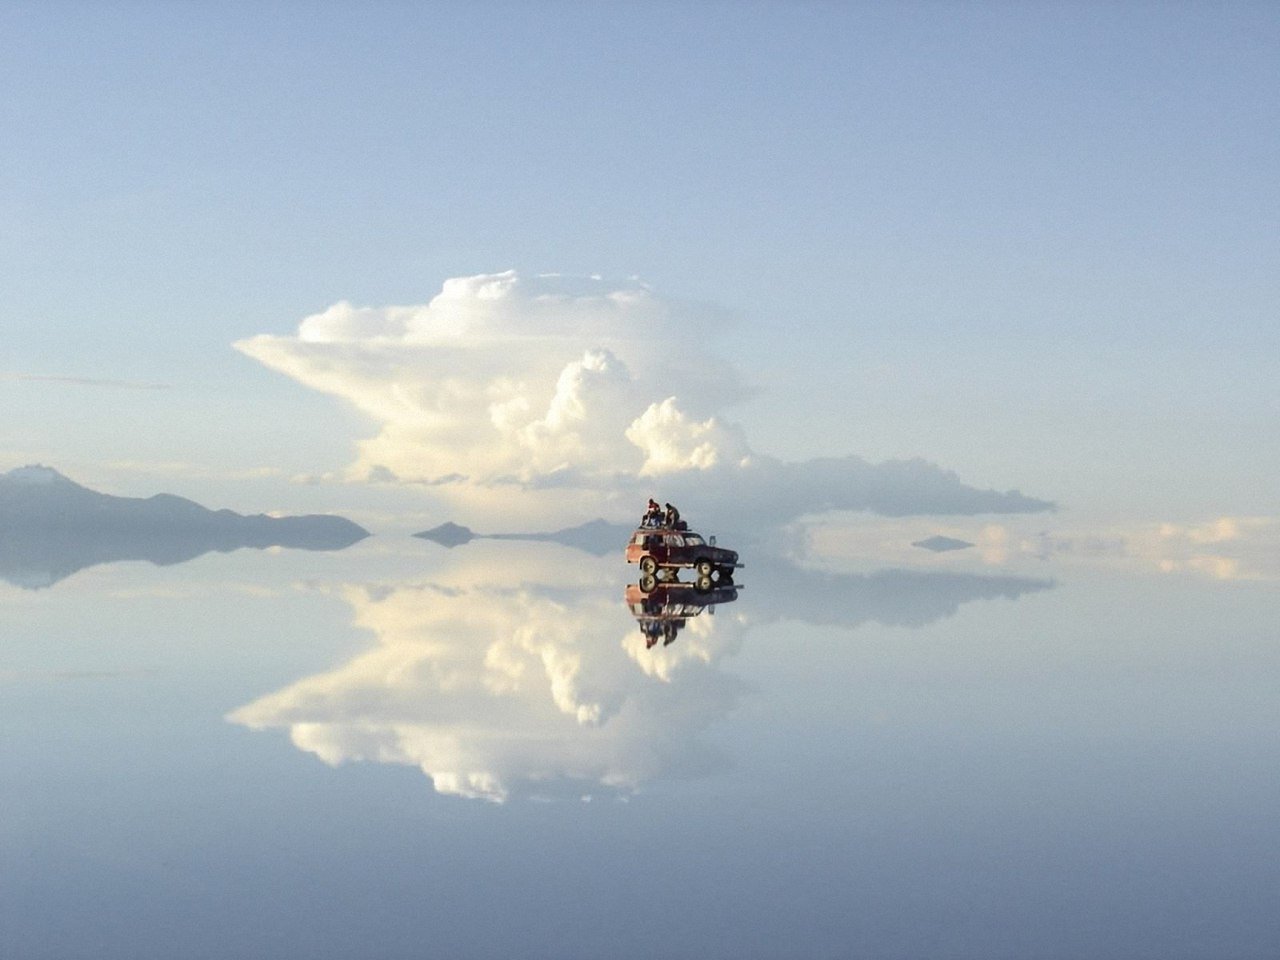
(1035, 244)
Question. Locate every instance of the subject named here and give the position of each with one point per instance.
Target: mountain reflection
(546, 688)
(36, 562)
(52, 527)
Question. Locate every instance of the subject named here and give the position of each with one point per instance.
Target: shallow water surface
(400, 750)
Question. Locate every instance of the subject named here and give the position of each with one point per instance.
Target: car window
(675, 541)
(693, 540)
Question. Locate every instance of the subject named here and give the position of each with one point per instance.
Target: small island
(941, 544)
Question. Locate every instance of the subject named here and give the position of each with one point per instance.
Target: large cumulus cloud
(550, 384)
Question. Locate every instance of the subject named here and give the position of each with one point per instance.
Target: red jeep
(663, 548)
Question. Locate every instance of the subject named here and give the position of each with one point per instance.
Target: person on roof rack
(652, 515)
(671, 518)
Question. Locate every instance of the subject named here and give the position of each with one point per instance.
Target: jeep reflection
(663, 610)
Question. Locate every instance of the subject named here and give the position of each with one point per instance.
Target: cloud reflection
(496, 690)
(493, 691)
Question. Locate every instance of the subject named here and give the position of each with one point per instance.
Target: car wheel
(704, 568)
(703, 585)
(648, 565)
(648, 582)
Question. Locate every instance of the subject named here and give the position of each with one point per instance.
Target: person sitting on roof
(652, 515)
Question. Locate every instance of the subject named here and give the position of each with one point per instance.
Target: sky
(1033, 245)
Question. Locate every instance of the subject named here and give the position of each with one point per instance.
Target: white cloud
(581, 423)
(1223, 548)
(592, 389)
(500, 377)
(672, 442)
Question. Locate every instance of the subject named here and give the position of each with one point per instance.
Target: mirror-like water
(506, 749)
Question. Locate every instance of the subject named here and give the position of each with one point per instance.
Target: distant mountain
(50, 527)
(597, 537)
(941, 544)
